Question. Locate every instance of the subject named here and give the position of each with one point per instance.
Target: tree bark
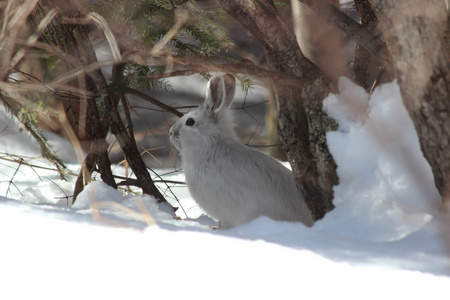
(116, 125)
(98, 151)
(414, 30)
(301, 120)
(362, 63)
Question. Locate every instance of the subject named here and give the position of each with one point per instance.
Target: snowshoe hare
(230, 181)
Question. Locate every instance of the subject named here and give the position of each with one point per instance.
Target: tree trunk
(98, 151)
(362, 63)
(301, 120)
(414, 30)
(117, 127)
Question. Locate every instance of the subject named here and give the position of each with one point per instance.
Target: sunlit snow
(387, 238)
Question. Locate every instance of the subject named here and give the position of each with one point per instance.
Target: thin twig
(154, 101)
(174, 74)
(25, 163)
(14, 175)
(143, 216)
(66, 196)
(264, 146)
(244, 107)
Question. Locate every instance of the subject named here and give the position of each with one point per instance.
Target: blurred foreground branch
(375, 45)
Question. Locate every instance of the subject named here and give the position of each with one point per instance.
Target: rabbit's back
(235, 184)
(230, 181)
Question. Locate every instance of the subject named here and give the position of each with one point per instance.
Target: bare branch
(154, 101)
(241, 67)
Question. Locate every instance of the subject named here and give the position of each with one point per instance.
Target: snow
(387, 238)
(382, 171)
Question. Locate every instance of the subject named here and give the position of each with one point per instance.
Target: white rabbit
(230, 181)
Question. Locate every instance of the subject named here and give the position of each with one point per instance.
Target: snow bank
(386, 189)
(49, 258)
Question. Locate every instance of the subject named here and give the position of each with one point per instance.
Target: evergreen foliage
(202, 35)
(136, 76)
(149, 22)
(27, 115)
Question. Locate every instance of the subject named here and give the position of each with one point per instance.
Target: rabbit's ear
(220, 93)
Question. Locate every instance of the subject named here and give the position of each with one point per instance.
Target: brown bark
(98, 147)
(300, 117)
(362, 59)
(447, 32)
(302, 131)
(98, 151)
(116, 125)
(414, 30)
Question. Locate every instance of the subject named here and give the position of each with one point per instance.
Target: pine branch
(28, 120)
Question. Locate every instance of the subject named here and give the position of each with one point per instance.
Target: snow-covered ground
(386, 239)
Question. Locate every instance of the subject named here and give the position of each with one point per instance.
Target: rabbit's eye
(190, 122)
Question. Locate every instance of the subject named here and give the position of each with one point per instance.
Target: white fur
(231, 182)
